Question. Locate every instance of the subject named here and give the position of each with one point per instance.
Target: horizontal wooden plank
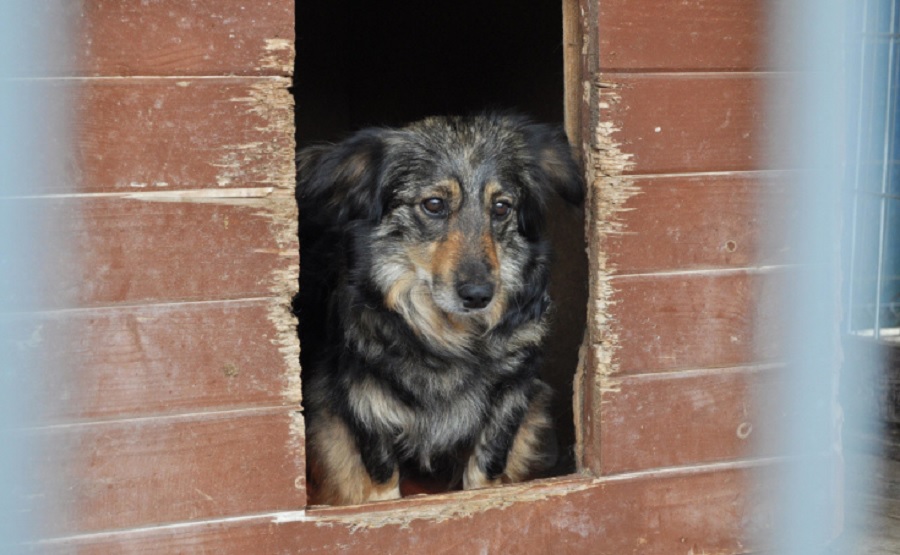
(702, 511)
(684, 418)
(708, 221)
(696, 320)
(141, 135)
(153, 249)
(139, 472)
(171, 37)
(681, 36)
(676, 123)
(145, 134)
(159, 359)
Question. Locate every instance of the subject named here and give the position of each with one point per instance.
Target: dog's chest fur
(431, 401)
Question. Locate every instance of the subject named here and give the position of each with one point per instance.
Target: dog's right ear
(343, 181)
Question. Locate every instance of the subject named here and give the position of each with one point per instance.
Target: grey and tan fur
(423, 303)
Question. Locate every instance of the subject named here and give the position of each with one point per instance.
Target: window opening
(874, 277)
(373, 64)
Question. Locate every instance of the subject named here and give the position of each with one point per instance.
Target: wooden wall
(172, 377)
(184, 430)
(686, 340)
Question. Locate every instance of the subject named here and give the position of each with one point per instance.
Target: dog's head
(452, 209)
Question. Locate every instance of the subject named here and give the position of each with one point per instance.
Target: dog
(423, 303)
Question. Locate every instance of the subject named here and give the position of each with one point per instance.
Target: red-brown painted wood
(708, 221)
(660, 35)
(128, 473)
(155, 134)
(699, 320)
(170, 37)
(159, 359)
(726, 510)
(138, 135)
(153, 249)
(692, 417)
(676, 123)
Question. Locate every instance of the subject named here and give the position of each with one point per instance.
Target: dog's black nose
(475, 295)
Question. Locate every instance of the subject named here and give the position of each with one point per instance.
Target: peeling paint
(279, 55)
(438, 508)
(291, 516)
(607, 192)
(297, 448)
(284, 286)
(249, 196)
(271, 102)
(444, 507)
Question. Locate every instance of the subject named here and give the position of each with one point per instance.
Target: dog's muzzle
(475, 296)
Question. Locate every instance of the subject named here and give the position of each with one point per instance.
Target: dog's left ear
(342, 182)
(551, 169)
(553, 163)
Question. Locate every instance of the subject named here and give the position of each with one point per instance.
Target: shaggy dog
(423, 303)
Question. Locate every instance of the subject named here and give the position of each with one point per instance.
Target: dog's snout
(475, 295)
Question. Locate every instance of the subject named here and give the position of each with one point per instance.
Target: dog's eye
(434, 206)
(501, 209)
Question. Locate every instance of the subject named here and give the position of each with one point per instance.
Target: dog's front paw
(386, 491)
(475, 478)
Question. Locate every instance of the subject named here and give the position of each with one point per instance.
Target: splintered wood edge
(270, 100)
(607, 192)
(273, 199)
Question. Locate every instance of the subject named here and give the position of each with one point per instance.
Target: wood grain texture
(709, 221)
(129, 473)
(677, 123)
(684, 418)
(701, 320)
(162, 134)
(172, 37)
(700, 511)
(163, 404)
(154, 249)
(153, 360)
(710, 35)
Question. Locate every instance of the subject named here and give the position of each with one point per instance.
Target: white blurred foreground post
(825, 105)
(31, 39)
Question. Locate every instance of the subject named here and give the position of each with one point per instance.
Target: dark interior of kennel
(372, 63)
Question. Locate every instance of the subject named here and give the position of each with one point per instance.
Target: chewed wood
(141, 135)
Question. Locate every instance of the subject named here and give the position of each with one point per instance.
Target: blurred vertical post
(813, 129)
(31, 40)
